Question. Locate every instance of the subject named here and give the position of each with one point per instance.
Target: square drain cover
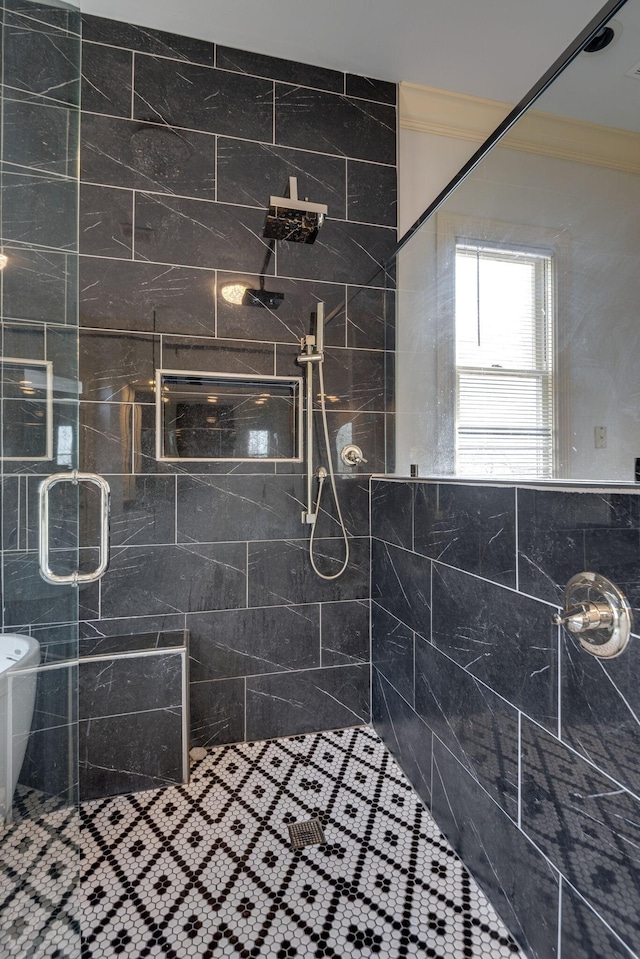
(309, 832)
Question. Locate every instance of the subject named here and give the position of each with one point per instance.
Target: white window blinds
(504, 369)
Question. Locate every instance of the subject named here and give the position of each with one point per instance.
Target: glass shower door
(39, 101)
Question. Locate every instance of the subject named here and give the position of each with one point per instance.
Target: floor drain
(309, 832)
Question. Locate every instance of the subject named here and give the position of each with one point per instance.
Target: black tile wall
(525, 747)
(182, 145)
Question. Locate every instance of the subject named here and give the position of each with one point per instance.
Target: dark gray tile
(353, 496)
(56, 700)
(355, 379)
(106, 80)
(371, 89)
(132, 626)
(155, 640)
(124, 754)
(40, 60)
(250, 173)
(147, 156)
(403, 733)
(335, 124)
(106, 437)
(48, 764)
(118, 367)
(216, 356)
(392, 651)
(40, 135)
(132, 684)
(25, 340)
(478, 727)
(37, 283)
(144, 40)
(213, 101)
(289, 704)
(343, 253)
(246, 642)
(371, 193)
(153, 580)
(291, 319)
(219, 509)
(198, 233)
(367, 319)
(142, 510)
(290, 71)
(106, 221)
(470, 527)
(13, 492)
(217, 712)
(39, 210)
(368, 430)
(345, 633)
(520, 884)
(584, 933)
(505, 639)
(27, 599)
(552, 531)
(392, 513)
(401, 583)
(280, 572)
(586, 825)
(146, 297)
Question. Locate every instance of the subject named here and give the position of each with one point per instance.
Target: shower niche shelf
(204, 416)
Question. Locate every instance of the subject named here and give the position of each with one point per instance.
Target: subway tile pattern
(182, 144)
(525, 747)
(208, 869)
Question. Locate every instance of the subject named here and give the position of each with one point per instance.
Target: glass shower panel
(39, 102)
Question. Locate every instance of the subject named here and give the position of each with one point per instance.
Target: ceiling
(490, 48)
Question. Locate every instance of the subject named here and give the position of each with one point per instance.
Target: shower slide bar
(75, 578)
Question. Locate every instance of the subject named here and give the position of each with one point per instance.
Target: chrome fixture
(289, 218)
(312, 354)
(75, 578)
(351, 455)
(598, 613)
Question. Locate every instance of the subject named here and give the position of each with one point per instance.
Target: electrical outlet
(600, 437)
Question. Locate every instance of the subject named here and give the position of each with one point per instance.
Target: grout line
(519, 769)
(559, 692)
(247, 576)
(559, 956)
(320, 633)
(517, 541)
(133, 83)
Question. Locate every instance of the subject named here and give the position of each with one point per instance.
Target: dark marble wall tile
(289, 71)
(403, 733)
(144, 40)
(55, 703)
(335, 124)
(584, 934)
(48, 764)
(478, 727)
(586, 825)
(124, 754)
(371, 89)
(289, 704)
(217, 712)
(152, 580)
(367, 318)
(198, 233)
(355, 378)
(392, 512)
(470, 527)
(37, 283)
(600, 709)
(250, 173)
(371, 193)
(217, 356)
(106, 437)
(291, 319)
(117, 367)
(208, 508)
(40, 60)
(392, 651)
(245, 642)
(201, 98)
(280, 572)
(147, 156)
(345, 633)
(343, 253)
(39, 211)
(106, 221)
(142, 510)
(27, 599)
(553, 528)
(106, 80)
(39, 135)
(521, 885)
(155, 640)
(401, 583)
(132, 626)
(146, 297)
(131, 684)
(503, 638)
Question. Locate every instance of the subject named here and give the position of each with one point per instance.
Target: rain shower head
(289, 218)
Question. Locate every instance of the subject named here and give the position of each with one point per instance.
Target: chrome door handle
(75, 578)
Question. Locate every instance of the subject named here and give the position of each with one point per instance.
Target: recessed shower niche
(217, 416)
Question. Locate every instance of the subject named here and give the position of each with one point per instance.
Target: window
(503, 360)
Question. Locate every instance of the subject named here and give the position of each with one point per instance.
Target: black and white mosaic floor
(208, 870)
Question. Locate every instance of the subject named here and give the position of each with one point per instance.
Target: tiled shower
(210, 629)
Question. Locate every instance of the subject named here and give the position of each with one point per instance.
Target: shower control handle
(585, 616)
(351, 455)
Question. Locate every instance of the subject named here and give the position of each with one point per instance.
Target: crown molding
(464, 117)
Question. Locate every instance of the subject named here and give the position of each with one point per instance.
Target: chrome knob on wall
(597, 613)
(351, 455)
